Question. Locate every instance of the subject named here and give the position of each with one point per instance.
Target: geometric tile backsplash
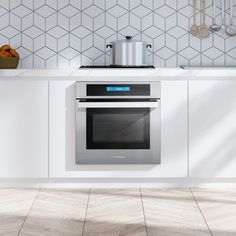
(68, 33)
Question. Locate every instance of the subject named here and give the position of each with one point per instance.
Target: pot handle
(149, 46)
(109, 46)
(128, 37)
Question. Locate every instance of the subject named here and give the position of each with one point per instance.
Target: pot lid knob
(128, 37)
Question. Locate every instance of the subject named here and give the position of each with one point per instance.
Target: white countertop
(117, 74)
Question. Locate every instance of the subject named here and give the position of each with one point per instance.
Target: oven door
(118, 132)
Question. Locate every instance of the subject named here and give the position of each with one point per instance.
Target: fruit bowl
(9, 58)
(9, 62)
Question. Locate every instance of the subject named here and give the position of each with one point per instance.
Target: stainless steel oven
(118, 123)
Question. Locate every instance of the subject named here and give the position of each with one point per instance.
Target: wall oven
(118, 123)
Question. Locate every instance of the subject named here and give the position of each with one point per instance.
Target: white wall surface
(63, 34)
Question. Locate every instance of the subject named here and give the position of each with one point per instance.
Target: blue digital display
(117, 89)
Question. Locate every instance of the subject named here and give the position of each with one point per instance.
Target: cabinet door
(173, 134)
(23, 129)
(62, 129)
(212, 128)
(174, 129)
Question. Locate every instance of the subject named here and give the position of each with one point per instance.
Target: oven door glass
(118, 128)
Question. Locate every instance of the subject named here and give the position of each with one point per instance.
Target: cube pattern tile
(68, 33)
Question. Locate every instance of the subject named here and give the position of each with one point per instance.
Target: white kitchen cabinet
(23, 129)
(212, 128)
(174, 129)
(62, 136)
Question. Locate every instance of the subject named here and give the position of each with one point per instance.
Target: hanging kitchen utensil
(194, 29)
(231, 29)
(214, 27)
(203, 29)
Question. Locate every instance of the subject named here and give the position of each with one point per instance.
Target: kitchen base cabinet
(212, 128)
(23, 129)
(62, 136)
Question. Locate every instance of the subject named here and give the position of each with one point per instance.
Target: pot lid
(128, 39)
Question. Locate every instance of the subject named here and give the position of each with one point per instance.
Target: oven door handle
(151, 104)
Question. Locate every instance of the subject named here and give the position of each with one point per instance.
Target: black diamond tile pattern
(68, 33)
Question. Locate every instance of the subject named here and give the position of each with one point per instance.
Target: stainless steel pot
(128, 52)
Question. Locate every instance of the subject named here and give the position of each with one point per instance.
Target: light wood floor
(118, 212)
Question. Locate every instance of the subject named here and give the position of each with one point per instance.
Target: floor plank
(57, 213)
(115, 212)
(219, 209)
(172, 212)
(14, 207)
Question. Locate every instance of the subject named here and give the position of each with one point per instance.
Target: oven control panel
(118, 90)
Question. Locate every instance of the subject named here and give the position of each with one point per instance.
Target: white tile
(123, 21)
(14, 4)
(57, 212)
(183, 42)
(21, 11)
(75, 21)
(27, 21)
(189, 53)
(62, 3)
(4, 20)
(24, 52)
(57, 32)
(141, 11)
(39, 42)
(115, 212)
(33, 32)
(134, 3)
(87, 42)
(45, 53)
(124, 3)
(129, 31)
(63, 21)
(69, 53)
(172, 212)
(105, 32)
(63, 42)
(40, 22)
(177, 32)
(5, 4)
(69, 11)
(93, 11)
(219, 209)
(135, 21)
(166, 22)
(9, 32)
(93, 53)
(165, 53)
(75, 43)
(117, 11)
(171, 42)
(213, 53)
(159, 42)
(27, 42)
(87, 21)
(99, 21)
(86, 4)
(165, 11)
(51, 3)
(110, 4)
(14, 207)
(45, 11)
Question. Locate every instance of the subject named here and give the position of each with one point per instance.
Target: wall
(68, 33)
